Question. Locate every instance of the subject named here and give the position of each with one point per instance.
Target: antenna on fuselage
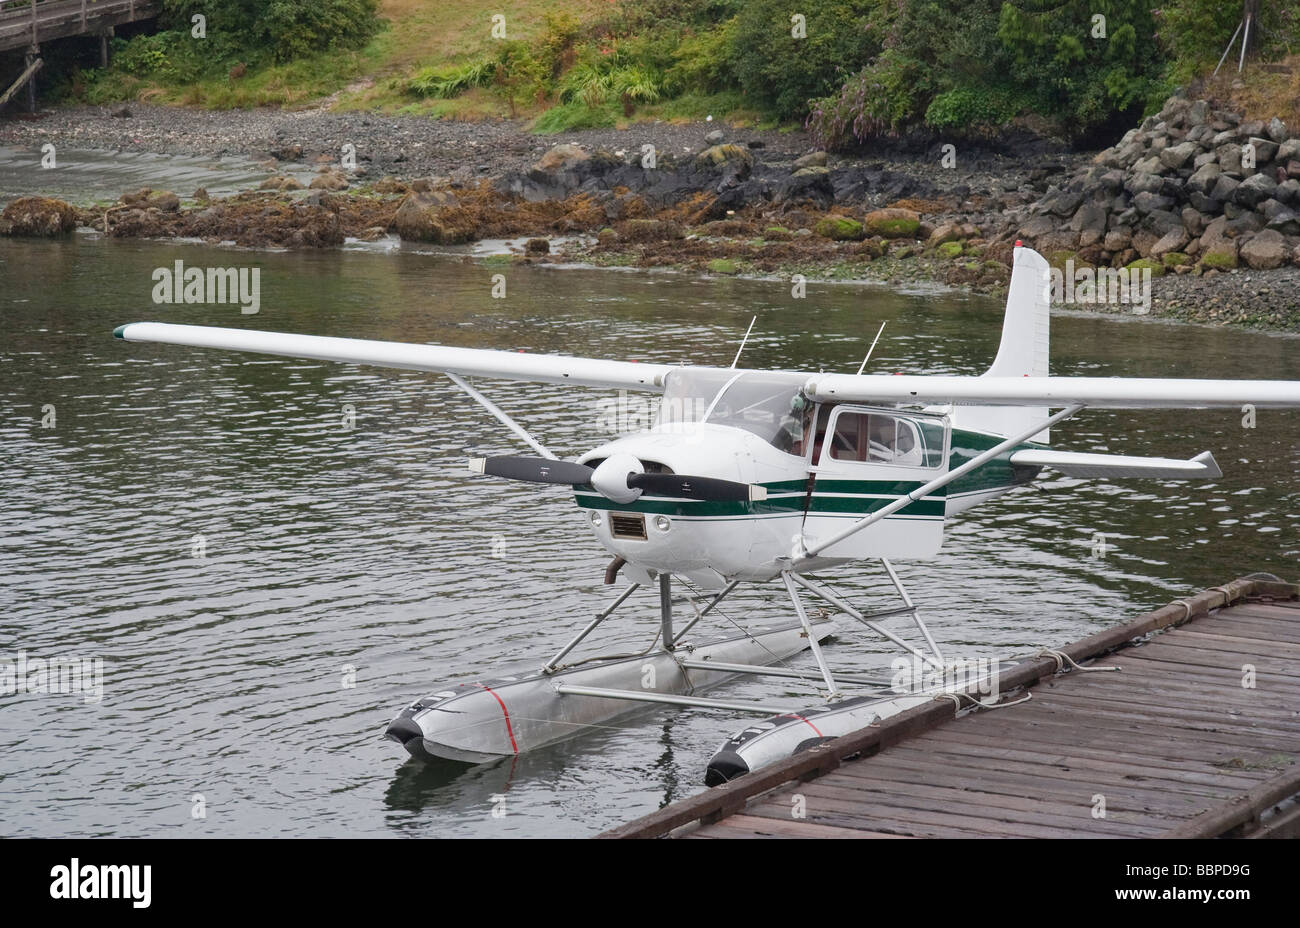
(743, 340)
(863, 366)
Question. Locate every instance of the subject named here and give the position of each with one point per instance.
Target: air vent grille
(625, 525)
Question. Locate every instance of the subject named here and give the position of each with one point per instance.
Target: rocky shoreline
(733, 201)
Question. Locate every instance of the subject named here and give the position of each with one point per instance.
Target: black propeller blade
(681, 486)
(534, 470)
(675, 486)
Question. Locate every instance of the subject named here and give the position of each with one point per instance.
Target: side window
(875, 438)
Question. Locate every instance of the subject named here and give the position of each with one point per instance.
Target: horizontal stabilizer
(1077, 464)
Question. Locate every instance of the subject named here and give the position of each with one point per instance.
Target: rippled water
(371, 548)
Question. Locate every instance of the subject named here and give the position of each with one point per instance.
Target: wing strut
(501, 416)
(801, 546)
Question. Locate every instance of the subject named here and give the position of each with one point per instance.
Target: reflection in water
(327, 547)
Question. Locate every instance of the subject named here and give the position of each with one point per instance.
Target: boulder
(560, 158)
(1150, 202)
(1117, 240)
(416, 217)
(1254, 190)
(1276, 130)
(840, 229)
(1149, 165)
(1175, 156)
(1144, 183)
(807, 187)
(43, 217)
(1265, 251)
(815, 159)
(331, 180)
(1229, 157)
(727, 156)
(893, 223)
(1204, 178)
(944, 233)
(1265, 149)
(1173, 240)
(1224, 188)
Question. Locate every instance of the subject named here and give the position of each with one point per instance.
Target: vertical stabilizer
(1024, 349)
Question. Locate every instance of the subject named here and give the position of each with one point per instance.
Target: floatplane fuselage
(752, 475)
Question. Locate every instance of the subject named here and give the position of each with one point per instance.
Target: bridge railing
(31, 16)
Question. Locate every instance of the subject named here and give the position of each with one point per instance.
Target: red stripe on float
(509, 731)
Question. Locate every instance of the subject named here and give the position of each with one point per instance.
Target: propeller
(620, 477)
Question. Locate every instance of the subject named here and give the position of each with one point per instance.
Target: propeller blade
(681, 486)
(534, 470)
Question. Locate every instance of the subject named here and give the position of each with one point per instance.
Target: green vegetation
(848, 69)
(840, 229)
(1154, 265)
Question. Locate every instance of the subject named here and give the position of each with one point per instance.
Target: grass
(437, 48)
(1268, 89)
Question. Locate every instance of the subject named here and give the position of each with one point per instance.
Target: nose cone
(407, 733)
(725, 766)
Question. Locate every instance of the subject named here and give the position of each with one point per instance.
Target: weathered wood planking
(1173, 744)
(28, 24)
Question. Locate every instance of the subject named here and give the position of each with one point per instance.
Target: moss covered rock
(950, 250)
(892, 223)
(1156, 266)
(840, 229)
(722, 266)
(1217, 260)
(1175, 259)
(42, 217)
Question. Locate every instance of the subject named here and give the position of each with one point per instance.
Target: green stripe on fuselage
(860, 496)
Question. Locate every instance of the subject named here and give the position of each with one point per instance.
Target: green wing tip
(117, 333)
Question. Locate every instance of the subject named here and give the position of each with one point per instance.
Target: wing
(1098, 392)
(468, 362)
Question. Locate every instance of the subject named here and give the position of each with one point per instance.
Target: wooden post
(83, 15)
(33, 55)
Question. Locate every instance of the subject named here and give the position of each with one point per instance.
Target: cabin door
(865, 458)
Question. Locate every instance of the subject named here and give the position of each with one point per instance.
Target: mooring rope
(979, 704)
(1062, 659)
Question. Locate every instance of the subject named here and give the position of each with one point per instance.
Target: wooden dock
(28, 23)
(1197, 734)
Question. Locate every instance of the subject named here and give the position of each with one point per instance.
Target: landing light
(595, 519)
(662, 523)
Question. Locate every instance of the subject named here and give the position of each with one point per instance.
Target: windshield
(771, 406)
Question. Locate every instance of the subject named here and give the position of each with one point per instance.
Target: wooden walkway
(27, 23)
(1173, 744)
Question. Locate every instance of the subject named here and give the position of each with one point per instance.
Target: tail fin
(1023, 351)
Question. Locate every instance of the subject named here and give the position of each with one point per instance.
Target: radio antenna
(745, 339)
(863, 366)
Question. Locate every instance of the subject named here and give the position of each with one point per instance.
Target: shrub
(781, 73)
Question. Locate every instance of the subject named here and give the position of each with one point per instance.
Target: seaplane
(779, 478)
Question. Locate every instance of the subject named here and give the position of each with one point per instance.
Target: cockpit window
(771, 406)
